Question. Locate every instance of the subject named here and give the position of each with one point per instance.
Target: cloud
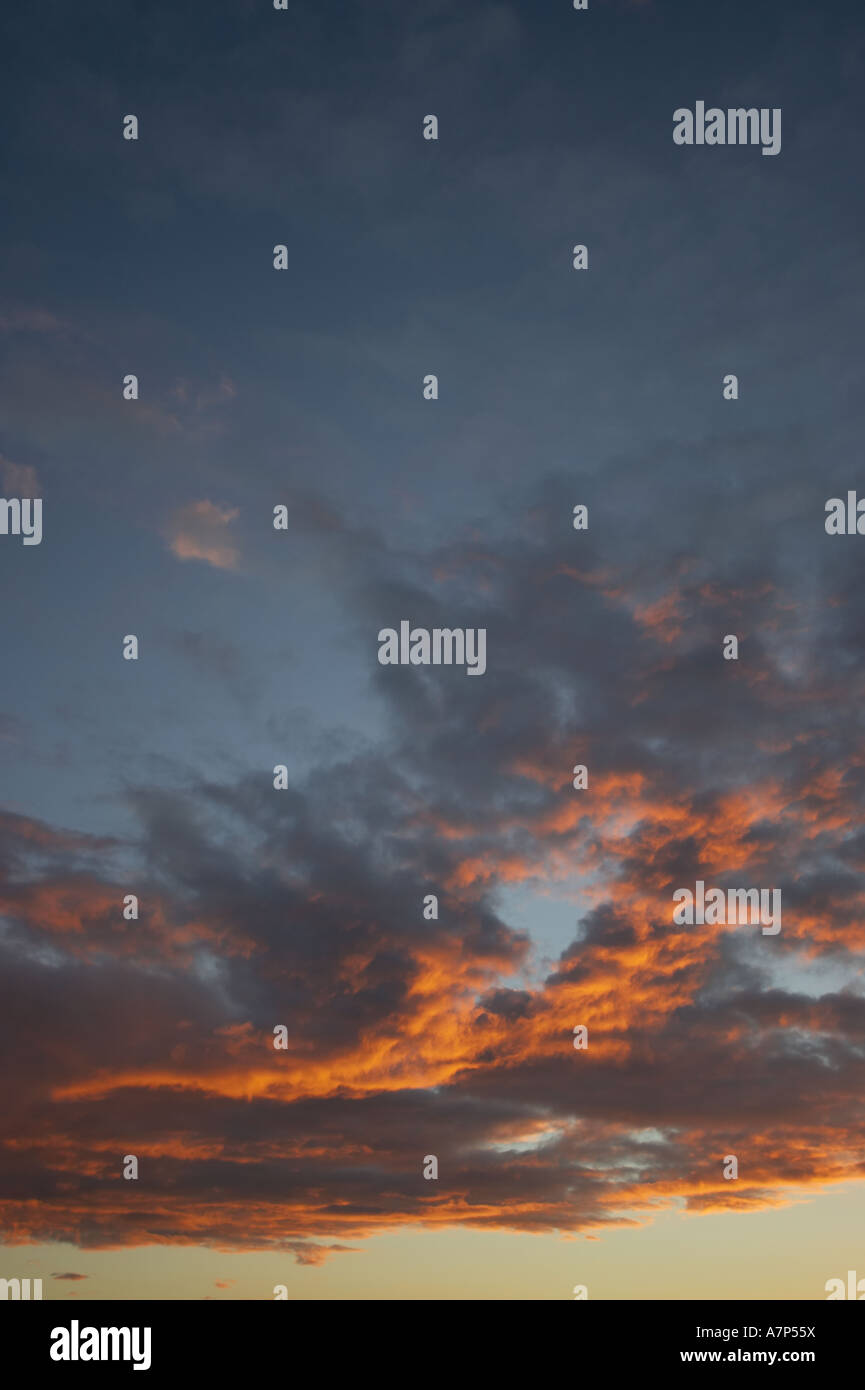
(303, 908)
(19, 480)
(408, 1037)
(199, 531)
(308, 1253)
(32, 320)
(12, 729)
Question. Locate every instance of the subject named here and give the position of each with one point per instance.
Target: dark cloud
(303, 908)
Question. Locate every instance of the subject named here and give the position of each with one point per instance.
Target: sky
(303, 907)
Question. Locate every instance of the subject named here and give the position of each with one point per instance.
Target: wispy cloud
(19, 480)
(199, 531)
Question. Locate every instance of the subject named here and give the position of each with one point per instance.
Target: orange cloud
(199, 531)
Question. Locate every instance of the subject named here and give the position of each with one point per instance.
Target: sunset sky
(304, 907)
